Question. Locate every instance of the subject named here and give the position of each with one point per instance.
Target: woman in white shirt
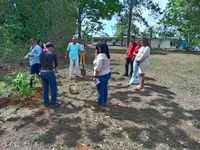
(102, 73)
(142, 59)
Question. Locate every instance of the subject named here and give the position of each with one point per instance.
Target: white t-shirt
(82, 48)
(102, 64)
(143, 57)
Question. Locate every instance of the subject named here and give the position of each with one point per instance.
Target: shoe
(125, 75)
(96, 109)
(104, 105)
(46, 105)
(139, 87)
(56, 106)
(130, 83)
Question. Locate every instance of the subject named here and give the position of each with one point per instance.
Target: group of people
(137, 57)
(43, 61)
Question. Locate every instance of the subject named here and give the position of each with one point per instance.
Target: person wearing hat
(48, 60)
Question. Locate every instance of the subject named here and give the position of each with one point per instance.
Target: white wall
(165, 43)
(154, 43)
(160, 43)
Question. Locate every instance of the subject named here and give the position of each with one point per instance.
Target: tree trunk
(79, 24)
(129, 22)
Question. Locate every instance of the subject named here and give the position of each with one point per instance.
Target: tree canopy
(94, 10)
(48, 20)
(185, 16)
(133, 10)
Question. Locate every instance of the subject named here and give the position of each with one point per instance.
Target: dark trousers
(35, 69)
(129, 60)
(102, 88)
(49, 80)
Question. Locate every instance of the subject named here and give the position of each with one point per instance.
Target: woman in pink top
(42, 45)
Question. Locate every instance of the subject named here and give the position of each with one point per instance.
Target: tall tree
(94, 10)
(134, 10)
(185, 15)
(121, 29)
(47, 19)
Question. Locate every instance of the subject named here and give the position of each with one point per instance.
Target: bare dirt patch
(164, 115)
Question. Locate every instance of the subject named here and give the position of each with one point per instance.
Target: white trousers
(73, 66)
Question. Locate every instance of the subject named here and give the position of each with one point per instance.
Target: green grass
(179, 70)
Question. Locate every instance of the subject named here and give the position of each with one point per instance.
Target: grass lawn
(164, 115)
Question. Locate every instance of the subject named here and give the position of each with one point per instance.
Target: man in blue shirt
(33, 56)
(73, 50)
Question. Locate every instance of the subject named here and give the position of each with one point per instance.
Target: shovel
(83, 71)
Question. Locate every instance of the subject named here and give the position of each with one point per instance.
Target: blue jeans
(129, 60)
(35, 69)
(102, 88)
(49, 79)
(135, 71)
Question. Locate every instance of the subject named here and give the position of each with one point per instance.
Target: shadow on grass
(158, 126)
(94, 134)
(168, 51)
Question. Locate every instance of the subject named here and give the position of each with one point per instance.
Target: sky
(108, 28)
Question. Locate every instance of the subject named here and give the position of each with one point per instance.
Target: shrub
(22, 84)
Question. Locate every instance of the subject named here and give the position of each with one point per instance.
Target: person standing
(49, 62)
(134, 79)
(142, 60)
(42, 44)
(33, 56)
(82, 52)
(73, 50)
(102, 73)
(129, 56)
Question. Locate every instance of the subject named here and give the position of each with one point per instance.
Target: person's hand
(125, 57)
(94, 78)
(30, 55)
(138, 62)
(65, 56)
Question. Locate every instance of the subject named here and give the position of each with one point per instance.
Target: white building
(155, 42)
(163, 43)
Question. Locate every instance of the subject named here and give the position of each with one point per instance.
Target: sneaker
(139, 87)
(125, 75)
(56, 106)
(47, 105)
(96, 109)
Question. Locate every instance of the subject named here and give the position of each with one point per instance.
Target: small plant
(22, 84)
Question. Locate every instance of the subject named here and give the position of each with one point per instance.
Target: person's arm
(98, 68)
(55, 61)
(143, 55)
(67, 51)
(36, 52)
(26, 56)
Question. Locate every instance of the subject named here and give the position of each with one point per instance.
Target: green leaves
(185, 15)
(94, 10)
(22, 84)
(48, 20)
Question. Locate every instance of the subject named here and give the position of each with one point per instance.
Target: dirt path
(161, 116)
